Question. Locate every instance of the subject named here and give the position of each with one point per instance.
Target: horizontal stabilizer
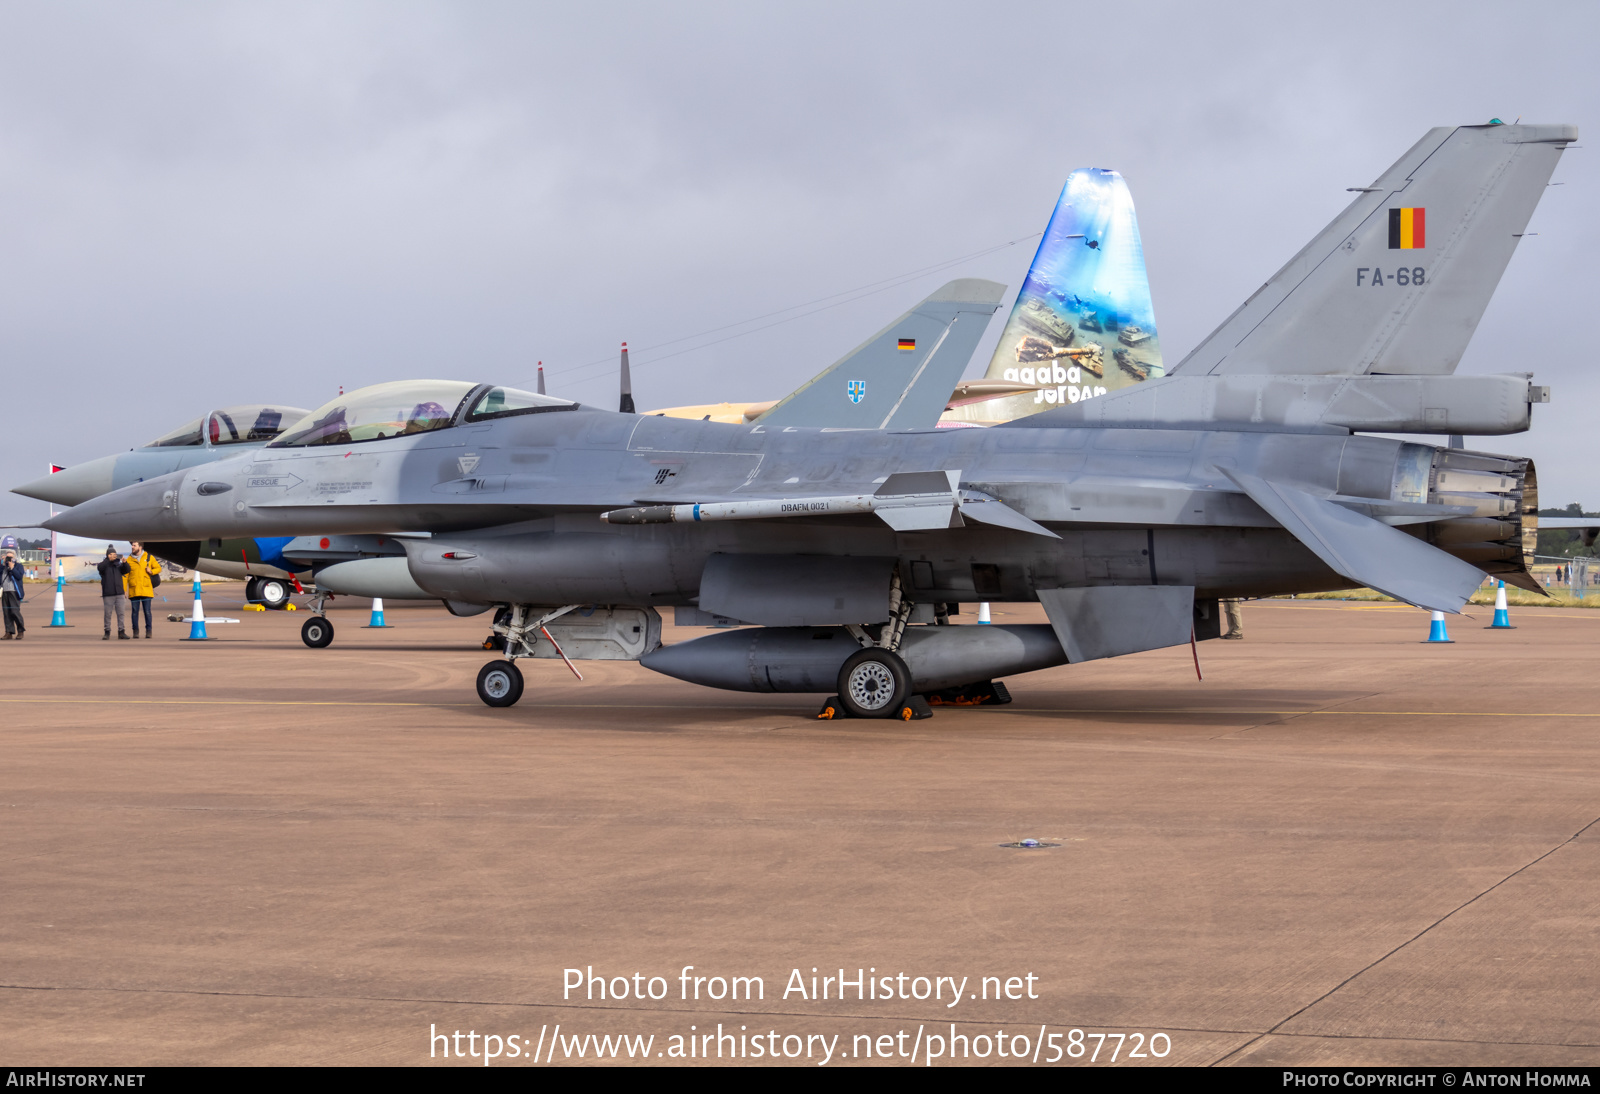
(1364, 550)
(902, 377)
(1397, 282)
(1111, 620)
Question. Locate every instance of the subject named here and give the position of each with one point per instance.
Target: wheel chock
(832, 709)
(916, 708)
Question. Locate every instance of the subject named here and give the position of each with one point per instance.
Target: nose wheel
(500, 683)
(316, 632)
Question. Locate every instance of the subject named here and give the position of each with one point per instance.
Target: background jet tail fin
(901, 377)
(1084, 323)
(1398, 281)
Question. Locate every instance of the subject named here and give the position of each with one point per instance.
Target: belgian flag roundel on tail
(1407, 229)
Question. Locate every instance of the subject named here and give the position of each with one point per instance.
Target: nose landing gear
(316, 632)
(500, 683)
(517, 629)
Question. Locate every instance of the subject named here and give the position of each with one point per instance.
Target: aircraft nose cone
(144, 511)
(74, 486)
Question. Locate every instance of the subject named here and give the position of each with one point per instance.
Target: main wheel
(500, 683)
(874, 683)
(316, 632)
(252, 590)
(272, 593)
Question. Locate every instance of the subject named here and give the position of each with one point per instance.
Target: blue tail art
(1084, 323)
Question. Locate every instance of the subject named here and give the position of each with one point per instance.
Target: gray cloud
(204, 204)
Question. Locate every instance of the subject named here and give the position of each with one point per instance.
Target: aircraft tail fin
(1084, 322)
(901, 377)
(1397, 282)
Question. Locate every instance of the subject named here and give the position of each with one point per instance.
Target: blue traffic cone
(1502, 618)
(58, 618)
(377, 614)
(1437, 633)
(197, 618)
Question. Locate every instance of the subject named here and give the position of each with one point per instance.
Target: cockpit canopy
(406, 407)
(245, 424)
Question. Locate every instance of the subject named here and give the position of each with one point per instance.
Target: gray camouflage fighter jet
(1241, 473)
(903, 386)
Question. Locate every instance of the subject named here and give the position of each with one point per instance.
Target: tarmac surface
(1344, 846)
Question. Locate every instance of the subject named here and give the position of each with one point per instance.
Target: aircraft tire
(874, 683)
(500, 683)
(252, 591)
(317, 632)
(272, 593)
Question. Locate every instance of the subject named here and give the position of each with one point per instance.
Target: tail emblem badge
(856, 389)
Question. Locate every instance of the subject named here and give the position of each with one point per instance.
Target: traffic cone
(1502, 619)
(983, 612)
(377, 615)
(197, 620)
(58, 618)
(1437, 633)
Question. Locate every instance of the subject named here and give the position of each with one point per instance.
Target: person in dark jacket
(113, 594)
(11, 574)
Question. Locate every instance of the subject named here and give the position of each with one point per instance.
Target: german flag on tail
(908, 343)
(1407, 229)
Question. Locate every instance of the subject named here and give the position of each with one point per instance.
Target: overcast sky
(213, 203)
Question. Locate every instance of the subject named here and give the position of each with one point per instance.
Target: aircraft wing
(1366, 551)
(902, 377)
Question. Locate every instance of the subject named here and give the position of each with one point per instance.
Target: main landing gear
(517, 629)
(269, 592)
(874, 681)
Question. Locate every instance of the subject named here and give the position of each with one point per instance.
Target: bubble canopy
(248, 423)
(407, 407)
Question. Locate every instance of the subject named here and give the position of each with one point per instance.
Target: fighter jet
(891, 380)
(1243, 473)
(212, 436)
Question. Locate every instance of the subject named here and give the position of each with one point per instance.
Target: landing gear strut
(874, 682)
